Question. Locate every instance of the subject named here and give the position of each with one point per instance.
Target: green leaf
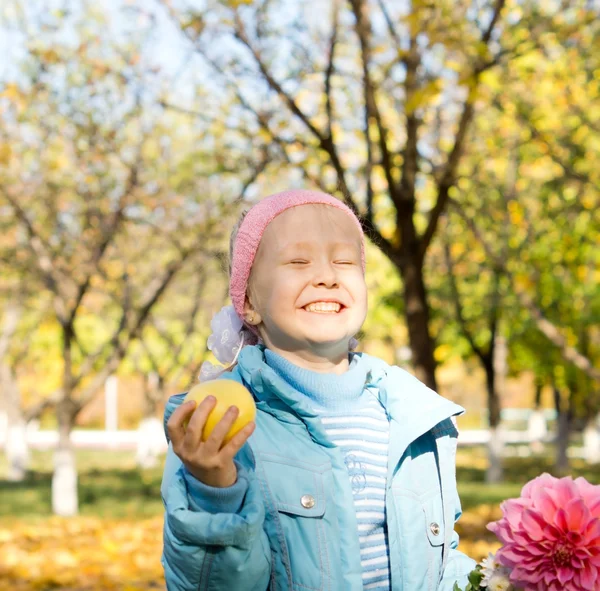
(475, 578)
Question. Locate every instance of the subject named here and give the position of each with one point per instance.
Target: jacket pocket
(434, 520)
(421, 527)
(296, 492)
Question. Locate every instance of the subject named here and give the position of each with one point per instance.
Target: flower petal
(564, 574)
(534, 524)
(545, 480)
(588, 577)
(566, 489)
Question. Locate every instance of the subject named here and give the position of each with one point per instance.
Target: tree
(100, 233)
(538, 228)
(170, 349)
(15, 442)
(399, 68)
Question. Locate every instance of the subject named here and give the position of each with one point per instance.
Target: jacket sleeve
(458, 565)
(212, 551)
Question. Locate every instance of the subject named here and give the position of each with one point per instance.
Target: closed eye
(298, 262)
(344, 262)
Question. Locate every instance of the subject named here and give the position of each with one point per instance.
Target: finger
(215, 439)
(193, 432)
(237, 441)
(175, 427)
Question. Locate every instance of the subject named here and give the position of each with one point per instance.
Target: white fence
(533, 430)
(127, 440)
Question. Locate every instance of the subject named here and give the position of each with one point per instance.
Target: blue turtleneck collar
(323, 390)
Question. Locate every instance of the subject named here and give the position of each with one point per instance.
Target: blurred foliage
(407, 111)
(116, 541)
(82, 554)
(528, 212)
(93, 118)
(109, 215)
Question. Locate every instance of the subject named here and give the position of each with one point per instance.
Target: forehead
(320, 224)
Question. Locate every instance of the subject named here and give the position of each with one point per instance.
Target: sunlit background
(132, 135)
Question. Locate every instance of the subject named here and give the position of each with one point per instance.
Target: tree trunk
(15, 438)
(150, 431)
(65, 500)
(591, 440)
(14, 426)
(494, 472)
(562, 433)
(17, 451)
(417, 321)
(536, 425)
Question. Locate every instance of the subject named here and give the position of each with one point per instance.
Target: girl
(346, 481)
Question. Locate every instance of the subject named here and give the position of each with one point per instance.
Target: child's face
(310, 254)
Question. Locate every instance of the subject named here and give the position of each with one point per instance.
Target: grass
(111, 486)
(474, 491)
(116, 542)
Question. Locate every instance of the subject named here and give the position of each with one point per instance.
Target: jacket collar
(275, 396)
(413, 406)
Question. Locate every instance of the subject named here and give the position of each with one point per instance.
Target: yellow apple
(227, 393)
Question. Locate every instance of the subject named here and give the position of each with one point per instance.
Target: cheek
(359, 288)
(280, 294)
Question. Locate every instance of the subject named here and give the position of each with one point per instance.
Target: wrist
(218, 478)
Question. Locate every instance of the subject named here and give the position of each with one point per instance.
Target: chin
(327, 344)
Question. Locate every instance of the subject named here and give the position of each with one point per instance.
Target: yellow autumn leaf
(5, 153)
(11, 92)
(83, 553)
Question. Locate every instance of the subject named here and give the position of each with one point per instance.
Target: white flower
(226, 341)
(499, 582)
(495, 576)
(226, 338)
(209, 371)
(489, 566)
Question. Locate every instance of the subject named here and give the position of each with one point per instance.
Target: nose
(325, 275)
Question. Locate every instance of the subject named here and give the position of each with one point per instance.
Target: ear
(251, 316)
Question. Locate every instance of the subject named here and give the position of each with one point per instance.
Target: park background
(134, 132)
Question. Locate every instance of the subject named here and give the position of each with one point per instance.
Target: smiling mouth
(324, 307)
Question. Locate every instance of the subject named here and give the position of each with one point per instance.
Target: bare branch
(132, 333)
(113, 344)
(179, 109)
(240, 33)
(391, 28)
(108, 235)
(363, 30)
(458, 307)
(42, 256)
(405, 202)
(325, 142)
(331, 67)
(255, 173)
(36, 410)
(448, 177)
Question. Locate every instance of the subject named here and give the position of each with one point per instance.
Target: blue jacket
(275, 543)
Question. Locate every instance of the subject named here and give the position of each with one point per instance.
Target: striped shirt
(357, 424)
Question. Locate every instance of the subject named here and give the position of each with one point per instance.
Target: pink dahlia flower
(551, 535)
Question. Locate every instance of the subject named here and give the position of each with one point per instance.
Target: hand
(209, 461)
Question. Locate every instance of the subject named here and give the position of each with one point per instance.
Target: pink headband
(253, 226)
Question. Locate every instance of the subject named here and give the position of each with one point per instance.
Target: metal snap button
(435, 528)
(307, 501)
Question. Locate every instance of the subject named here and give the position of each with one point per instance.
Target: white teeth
(323, 307)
